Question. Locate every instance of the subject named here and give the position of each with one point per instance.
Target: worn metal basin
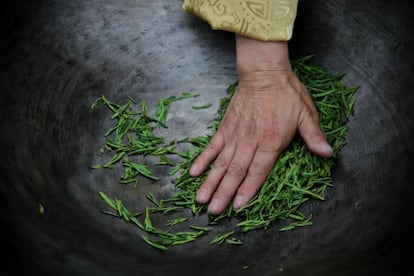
(58, 56)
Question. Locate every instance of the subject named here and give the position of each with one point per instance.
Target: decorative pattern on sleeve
(267, 20)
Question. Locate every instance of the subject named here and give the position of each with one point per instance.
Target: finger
(260, 167)
(234, 176)
(208, 155)
(313, 136)
(215, 175)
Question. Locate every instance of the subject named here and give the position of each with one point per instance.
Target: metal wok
(58, 56)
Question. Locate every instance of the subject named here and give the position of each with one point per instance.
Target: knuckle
(272, 140)
(209, 186)
(235, 170)
(248, 191)
(316, 136)
(213, 146)
(311, 113)
(220, 163)
(257, 169)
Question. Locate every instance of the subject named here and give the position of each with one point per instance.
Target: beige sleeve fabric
(267, 20)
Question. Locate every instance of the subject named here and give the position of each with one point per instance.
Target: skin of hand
(268, 108)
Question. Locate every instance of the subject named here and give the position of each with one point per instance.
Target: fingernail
(194, 170)
(214, 206)
(238, 202)
(202, 196)
(326, 148)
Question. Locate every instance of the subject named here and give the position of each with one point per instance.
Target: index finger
(208, 155)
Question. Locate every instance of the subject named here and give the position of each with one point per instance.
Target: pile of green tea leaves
(297, 176)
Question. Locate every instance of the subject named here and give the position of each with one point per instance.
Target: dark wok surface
(58, 56)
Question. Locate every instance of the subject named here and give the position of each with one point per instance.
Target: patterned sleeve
(267, 20)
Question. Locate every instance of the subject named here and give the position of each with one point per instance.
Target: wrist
(253, 55)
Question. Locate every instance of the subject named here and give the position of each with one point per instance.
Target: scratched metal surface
(58, 56)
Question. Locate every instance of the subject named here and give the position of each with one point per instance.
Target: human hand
(269, 106)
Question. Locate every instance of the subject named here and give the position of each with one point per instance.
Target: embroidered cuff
(267, 20)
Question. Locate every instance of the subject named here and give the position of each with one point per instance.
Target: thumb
(313, 137)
